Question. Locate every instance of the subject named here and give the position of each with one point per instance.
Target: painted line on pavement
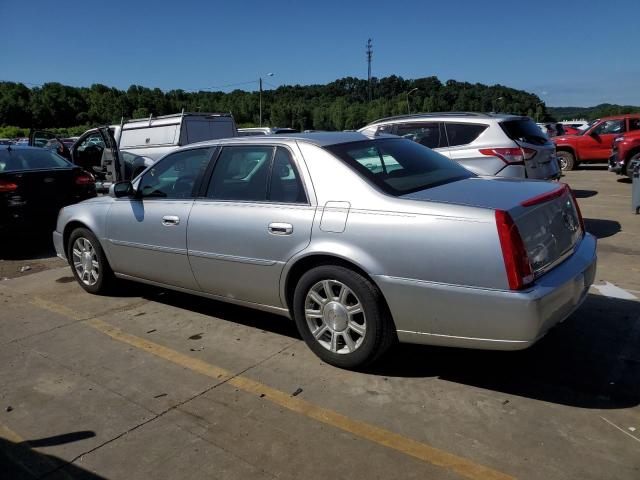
(422, 451)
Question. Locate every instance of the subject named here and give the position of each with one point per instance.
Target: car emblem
(49, 180)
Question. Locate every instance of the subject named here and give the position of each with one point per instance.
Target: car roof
(449, 115)
(19, 147)
(321, 139)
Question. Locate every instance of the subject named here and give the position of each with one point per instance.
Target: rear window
(524, 130)
(399, 166)
(16, 159)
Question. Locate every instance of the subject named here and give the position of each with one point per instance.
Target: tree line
(338, 105)
(591, 113)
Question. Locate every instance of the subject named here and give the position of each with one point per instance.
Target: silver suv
(487, 144)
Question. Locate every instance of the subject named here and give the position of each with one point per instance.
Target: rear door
(252, 217)
(429, 134)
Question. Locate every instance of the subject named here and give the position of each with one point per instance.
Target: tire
(567, 160)
(344, 339)
(626, 170)
(100, 279)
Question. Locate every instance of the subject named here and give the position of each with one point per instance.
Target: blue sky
(577, 53)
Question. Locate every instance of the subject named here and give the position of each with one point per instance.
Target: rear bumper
(456, 316)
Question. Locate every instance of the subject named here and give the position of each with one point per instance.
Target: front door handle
(170, 220)
(280, 228)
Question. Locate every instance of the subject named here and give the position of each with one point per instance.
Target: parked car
(34, 184)
(571, 130)
(626, 149)
(362, 240)
(98, 150)
(577, 124)
(257, 131)
(487, 144)
(594, 143)
(6, 141)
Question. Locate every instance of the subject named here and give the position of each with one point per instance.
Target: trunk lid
(545, 213)
(41, 192)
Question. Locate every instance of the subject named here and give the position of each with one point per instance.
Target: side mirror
(121, 189)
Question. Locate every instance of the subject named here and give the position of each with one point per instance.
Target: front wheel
(567, 160)
(342, 317)
(88, 262)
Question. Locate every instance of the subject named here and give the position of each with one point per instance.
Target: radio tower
(369, 55)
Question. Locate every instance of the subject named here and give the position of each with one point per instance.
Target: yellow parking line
(8, 434)
(394, 441)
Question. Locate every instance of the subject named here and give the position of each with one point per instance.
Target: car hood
(484, 192)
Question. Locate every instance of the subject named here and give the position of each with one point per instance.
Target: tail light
(85, 178)
(558, 192)
(516, 260)
(510, 156)
(7, 187)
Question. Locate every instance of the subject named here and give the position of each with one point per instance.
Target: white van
(122, 152)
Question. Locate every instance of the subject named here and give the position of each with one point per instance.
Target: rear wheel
(88, 262)
(567, 160)
(342, 317)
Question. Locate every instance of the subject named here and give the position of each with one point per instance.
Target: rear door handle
(280, 228)
(170, 220)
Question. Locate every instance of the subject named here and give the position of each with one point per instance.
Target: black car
(35, 183)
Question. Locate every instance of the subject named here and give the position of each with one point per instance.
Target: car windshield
(399, 166)
(587, 127)
(16, 159)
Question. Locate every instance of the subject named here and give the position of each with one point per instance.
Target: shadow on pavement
(602, 228)
(34, 245)
(585, 193)
(592, 360)
(20, 461)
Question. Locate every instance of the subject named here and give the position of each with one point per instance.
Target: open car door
(49, 140)
(112, 167)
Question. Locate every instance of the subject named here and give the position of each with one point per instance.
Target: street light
(409, 93)
(267, 75)
(496, 101)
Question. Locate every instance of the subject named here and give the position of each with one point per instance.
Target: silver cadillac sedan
(362, 240)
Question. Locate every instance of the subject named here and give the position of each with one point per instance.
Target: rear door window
(427, 134)
(241, 173)
(463, 133)
(634, 124)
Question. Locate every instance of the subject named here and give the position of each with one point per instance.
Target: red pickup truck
(594, 143)
(625, 151)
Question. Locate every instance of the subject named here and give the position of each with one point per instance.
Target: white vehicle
(122, 152)
(257, 131)
(579, 124)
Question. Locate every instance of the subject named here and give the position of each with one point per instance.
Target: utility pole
(260, 101)
(409, 93)
(260, 81)
(369, 55)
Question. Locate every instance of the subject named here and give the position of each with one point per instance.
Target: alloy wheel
(335, 316)
(85, 261)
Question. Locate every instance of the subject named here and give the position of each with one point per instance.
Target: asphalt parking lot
(156, 384)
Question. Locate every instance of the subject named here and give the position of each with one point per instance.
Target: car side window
(634, 124)
(427, 134)
(463, 133)
(285, 185)
(241, 173)
(609, 126)
(175, 176)
(385, 129)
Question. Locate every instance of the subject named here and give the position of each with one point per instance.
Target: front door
(596, 144)
(147, 234)
(253, 217)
